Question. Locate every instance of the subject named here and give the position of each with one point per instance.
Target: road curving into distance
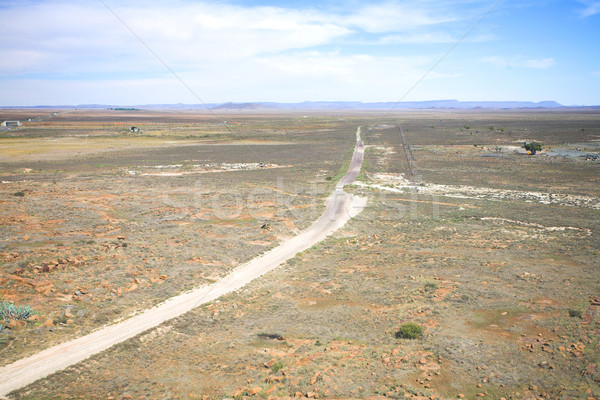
(340, 207)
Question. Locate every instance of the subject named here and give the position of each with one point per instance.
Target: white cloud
(56, 51)
(519, 62)
(288, 78)
(396, 17)
(432, 38)
(63, 37)
(89, 38)
(591, 8)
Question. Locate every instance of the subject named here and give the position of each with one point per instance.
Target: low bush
(409, 330)
(431, 286)
(276, 367)
(575, 313)
(8, 311)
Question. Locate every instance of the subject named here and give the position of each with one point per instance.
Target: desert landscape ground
(493, 252)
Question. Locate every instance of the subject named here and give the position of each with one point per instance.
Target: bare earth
(340, 208)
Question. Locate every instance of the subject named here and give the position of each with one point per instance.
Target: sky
(133, 52)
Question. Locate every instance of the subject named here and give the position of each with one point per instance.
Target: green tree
(532, 147)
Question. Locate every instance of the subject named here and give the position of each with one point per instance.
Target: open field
(89, 239)
(503, 277)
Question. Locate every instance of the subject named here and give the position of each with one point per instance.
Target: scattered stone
(313, 380)
(14, 324)
(132, 288)
(254, 391)
(269, 363)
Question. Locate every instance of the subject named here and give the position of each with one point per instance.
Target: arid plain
(493, 252)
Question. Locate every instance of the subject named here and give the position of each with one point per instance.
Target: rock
(78, 293)
(312, 395)
(48, 322)
(14, 324)
(313, 380)
(132, 288)
(254, 391)
(271, 390)
(274, 378)
(269, 364)
(461, 396)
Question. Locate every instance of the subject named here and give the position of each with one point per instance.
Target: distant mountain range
(331, 105)
(357, 105)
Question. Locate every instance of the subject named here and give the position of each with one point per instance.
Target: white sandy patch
(398, 183)
(201, 168)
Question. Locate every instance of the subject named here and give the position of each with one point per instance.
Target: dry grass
(493, 287)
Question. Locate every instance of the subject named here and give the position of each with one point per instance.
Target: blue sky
(64, 52)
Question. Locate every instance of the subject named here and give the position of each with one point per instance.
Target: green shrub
(276, 367)
(409, 330)
(575, 313)
(8, 311)
(19, 194)
(431, 286)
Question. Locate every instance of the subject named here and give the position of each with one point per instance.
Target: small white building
(12, 123)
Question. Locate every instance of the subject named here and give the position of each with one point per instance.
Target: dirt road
(340, 207)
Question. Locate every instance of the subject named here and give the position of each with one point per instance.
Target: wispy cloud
(85, 36)
(591, 8)
(396, 17)
(519, 62)
(231, 50)
(434, 37)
